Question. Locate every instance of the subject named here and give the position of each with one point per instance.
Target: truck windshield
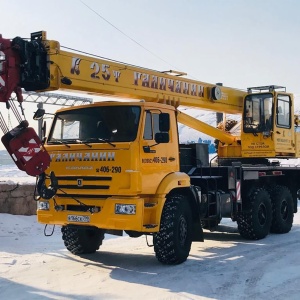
(96, 124)
(258, 115)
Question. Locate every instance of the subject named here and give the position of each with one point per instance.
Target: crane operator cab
(268, 127)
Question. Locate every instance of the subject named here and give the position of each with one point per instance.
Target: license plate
(76, 218)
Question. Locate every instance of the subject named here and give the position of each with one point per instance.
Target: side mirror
(162, 137)
(164, 122)
(38, 115)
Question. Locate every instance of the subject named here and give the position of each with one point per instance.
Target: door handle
(171, 158)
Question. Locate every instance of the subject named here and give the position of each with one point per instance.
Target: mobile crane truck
(116, 166)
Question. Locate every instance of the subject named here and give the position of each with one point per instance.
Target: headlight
(125, 209)
(43, 205)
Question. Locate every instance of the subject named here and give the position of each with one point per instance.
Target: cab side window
(283, 112)
(151, 125)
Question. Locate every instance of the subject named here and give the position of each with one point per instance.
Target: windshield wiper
(59, 142)
(84, 142)
(98, 140)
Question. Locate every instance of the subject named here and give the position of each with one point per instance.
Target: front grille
(83, 187)
(86, 178)
(84, 182)
(81, 196)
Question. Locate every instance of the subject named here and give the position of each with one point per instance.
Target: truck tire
(283, 209)
(82, 239)
(172, 244)
(255, 223)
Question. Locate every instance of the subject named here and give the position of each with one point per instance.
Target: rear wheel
(172, 243)
(255, 223)
(283, 209)
(82, 239)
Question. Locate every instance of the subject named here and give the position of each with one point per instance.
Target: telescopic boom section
(44, 66)
(78, 72)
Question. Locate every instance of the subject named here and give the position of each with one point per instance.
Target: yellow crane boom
(106, 77)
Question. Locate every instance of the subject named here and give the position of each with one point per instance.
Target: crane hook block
(26, 149)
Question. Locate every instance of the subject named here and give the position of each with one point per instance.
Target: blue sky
(240, 43)
(237, 42)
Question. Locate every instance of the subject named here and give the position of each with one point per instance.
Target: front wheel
(255, 223)
(82, 239)
(172, 244)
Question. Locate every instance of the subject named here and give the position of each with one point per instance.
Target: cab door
(283, 134)
(158, 159)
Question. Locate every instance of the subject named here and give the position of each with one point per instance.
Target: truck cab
(113, 153)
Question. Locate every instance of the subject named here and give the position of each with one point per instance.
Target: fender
(182, 180)
(170, 182)
(44, 191)
(173, 180)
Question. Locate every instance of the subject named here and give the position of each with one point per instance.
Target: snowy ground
(225, 266)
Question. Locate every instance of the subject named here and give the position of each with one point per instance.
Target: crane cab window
(283, 111)
(151, 125)
(258, 115)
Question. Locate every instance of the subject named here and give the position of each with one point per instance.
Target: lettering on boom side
(88, 156)
(96, 70)
(143, 79)
(163, 83)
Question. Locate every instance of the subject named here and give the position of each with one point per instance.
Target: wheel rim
(284, 209)
(262, 214)
(182, 230)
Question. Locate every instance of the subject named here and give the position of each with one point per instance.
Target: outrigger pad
(26, 149)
